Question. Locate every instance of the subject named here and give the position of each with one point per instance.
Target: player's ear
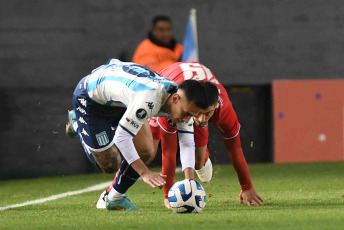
(175, 98)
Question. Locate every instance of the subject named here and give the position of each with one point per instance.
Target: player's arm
(169, 147)
(124, 142)
(129, 126)
(187, 148)
(248, 193)
(187, 157)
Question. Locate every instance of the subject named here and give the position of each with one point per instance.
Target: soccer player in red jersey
(223, 117)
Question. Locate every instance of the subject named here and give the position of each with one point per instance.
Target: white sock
(75, 126)
(114, 195)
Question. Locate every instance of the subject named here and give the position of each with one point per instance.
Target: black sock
(126, 177)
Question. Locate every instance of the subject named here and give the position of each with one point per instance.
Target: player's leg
(94, 125)
(108, 160)
(126, 175)
(97, 135)
(155, 129)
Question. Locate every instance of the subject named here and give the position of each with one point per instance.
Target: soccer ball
(187, 196)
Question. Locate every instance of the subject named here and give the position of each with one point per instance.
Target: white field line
(61, 195)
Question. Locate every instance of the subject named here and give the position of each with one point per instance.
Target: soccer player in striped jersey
(111, 108)
(222, 116)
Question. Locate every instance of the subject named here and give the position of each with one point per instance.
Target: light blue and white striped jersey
(125, 84)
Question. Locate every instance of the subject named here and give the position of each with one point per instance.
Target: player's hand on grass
(251, 197)
(167, 203)
(154, 179)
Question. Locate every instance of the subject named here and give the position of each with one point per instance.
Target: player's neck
(168, 104)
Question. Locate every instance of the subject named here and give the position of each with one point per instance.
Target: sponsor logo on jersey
(131, 122)
(141, 113)
(150, 105)
(102, 138)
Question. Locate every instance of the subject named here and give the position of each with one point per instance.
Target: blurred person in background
(160, 49)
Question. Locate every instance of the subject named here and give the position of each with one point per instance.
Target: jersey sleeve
(143, 106)
(186, 144)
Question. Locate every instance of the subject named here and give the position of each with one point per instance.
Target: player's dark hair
(202, 93)
(160, 18)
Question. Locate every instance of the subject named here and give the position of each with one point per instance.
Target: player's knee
(109, 168)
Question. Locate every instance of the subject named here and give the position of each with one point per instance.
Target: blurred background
(280, 61)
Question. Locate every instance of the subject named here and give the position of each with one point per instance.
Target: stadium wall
(308, 120)
(47, 46)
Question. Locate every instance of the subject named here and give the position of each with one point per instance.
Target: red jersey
(224, 116)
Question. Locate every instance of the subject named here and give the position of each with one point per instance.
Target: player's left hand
(250, 196)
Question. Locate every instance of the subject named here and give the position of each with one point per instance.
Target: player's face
(163, 32)
(202, 119)
(182, 110)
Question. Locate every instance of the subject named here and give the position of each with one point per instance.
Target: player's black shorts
(96, 123)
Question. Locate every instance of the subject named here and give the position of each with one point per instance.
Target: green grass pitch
(297, 196)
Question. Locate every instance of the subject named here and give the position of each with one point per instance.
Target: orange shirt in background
(156, 57)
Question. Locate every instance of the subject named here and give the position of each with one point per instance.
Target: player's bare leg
(116, 199)
(109, 160)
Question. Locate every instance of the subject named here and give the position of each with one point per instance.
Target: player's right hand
(154, 179)
(251, 197)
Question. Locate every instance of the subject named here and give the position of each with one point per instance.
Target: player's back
(181, 71)
(118, 83)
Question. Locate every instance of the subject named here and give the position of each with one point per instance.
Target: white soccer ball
(187, 196)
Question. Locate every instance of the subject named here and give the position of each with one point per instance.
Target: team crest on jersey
(102, 138)
(141, 113)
